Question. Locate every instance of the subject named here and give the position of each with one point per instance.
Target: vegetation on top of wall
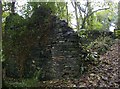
(117, 34)
(101, 44)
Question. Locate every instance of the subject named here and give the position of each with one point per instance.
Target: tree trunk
(0, 21)
(0, 42)
(90, 19)
(76, 14)
(118, 24)
(67, 11)
(83, 23)
(13, 7)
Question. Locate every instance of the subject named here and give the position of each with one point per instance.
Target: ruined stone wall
(55, 50)
(65, 52)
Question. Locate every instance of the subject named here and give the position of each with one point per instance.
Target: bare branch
(84, 20)
(96, 11)
(80, 9)
(72, 3)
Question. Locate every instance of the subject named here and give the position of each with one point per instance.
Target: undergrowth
(31, 82)
(101, 44)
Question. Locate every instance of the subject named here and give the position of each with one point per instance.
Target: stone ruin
(61, 55)
(65, 51)
(59, 58)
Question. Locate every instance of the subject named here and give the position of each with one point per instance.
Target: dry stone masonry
(65, 52)
(56, 50)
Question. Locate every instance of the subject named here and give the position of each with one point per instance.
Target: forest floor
(103, 75)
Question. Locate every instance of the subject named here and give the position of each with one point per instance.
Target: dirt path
(104, 75)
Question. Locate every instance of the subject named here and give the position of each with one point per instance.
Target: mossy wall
(48, 45)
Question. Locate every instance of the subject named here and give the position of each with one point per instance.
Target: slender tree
(13, 6)
(67, 12)
(84, 15)
(0, 21)
(118, 24)
(90, 19)
(0, 42)
(74, 4)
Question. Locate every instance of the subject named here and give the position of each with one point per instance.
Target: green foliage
(21, 35)
(88, 36)
(101, 45)
(14, 28)
(96, 25)
(31, 82)
(95, 48)
(104, 19)
(91, 58)
(117, 34)
(101, 20)
(61, 10)
(1, 56)
(13, 22)
(50, 5)
(4, 15)
(82, 34)
(57, 8)
(87, 59)
(24, 83)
